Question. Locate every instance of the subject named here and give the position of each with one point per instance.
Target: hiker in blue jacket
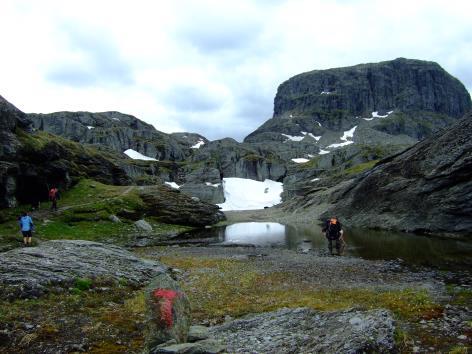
(26, 228)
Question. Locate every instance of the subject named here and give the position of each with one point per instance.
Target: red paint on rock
(166, 298)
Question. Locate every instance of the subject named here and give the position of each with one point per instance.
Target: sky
(209, 66)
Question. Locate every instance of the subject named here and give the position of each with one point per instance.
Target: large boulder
(171, 206)
(303, 330)
(34, 271)
(167, 313)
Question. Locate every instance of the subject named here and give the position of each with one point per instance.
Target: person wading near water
(26, 228)
(334, 232)
(53, 197)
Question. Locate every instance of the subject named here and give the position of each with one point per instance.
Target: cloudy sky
(209, 66)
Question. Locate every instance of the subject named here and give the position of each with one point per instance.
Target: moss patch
(108, 319)
(219, 287)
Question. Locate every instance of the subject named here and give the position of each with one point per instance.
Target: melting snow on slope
(138, 156)
(247, 194)
(376, 115)
(173, 185)
(293, 138)
(348, 134)
(300, 160)
(198, 144)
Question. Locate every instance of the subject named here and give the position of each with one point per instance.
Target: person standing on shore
(26, 228)
(334, 232)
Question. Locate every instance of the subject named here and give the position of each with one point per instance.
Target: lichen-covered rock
(303, 330)
(143, 225)
(171, 206)
(167, 313)
(207, 346)
(34, 271)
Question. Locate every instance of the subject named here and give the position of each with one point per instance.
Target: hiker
(26, 228)
(53, 197)
(334, 232)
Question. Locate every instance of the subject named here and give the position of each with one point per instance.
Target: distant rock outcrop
(426, 189)
(117, 131)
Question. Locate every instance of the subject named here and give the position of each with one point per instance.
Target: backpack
(52, 193)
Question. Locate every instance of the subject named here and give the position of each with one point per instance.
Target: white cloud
(209, 66)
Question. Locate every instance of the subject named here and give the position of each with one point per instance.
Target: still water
(367, 244)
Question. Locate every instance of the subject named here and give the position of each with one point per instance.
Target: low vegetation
(84, 213)
(221, 287)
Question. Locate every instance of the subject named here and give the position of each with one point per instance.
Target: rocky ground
(224, 283)
(248, 299)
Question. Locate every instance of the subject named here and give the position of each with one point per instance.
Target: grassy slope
(84, 214)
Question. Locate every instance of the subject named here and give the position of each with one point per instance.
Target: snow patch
(294, 138)
(173, 185)
(317, 138)
(377, 115)
(318, 123)
(138, 156)
(325, 92)
(247, 194)
(90, 127)
(349, 134)
(300, 160)
(315, 179)
(323, 152)
(216, 185)
(116, 119)
(334, 146)
(199, 144)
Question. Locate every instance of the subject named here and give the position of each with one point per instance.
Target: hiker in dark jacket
(53, 197)
(334, 232)
(26, 228)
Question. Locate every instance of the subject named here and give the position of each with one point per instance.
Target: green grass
(89, 205)
(219, 287)
(360, 167)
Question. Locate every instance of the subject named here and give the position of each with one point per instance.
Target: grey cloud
(191, 99)
(100, 61)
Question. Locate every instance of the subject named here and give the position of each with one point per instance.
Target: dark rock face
(34, 271)
(386, 107)
(115, 130)
(427, 188)
(401, 84)
(171, 206)
(304, 330)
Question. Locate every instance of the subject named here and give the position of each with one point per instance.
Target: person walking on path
(53, 196)
(26, 228)
(334, 233)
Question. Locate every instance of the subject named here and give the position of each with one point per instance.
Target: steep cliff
(427, 188)
(387, 101)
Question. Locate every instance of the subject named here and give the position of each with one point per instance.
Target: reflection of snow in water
(256, 233)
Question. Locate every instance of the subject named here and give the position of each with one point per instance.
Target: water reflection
(368, 244)
(257, 233)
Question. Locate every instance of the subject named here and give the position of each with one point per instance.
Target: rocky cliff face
(117, 131)
(336, 116)
(402, 97)
(427, 188)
